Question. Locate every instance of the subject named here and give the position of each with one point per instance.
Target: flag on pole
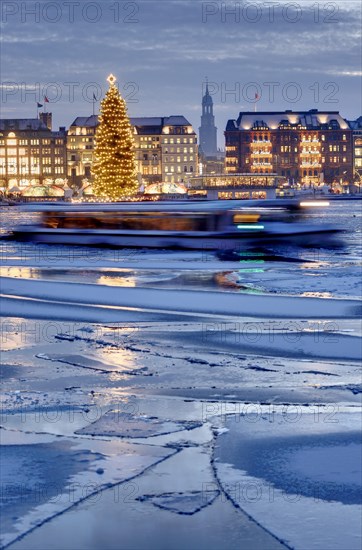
(256, 99)
(39, 105)
(46, 100)
(94, 97)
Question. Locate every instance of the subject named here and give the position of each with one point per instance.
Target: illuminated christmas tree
(114, 165)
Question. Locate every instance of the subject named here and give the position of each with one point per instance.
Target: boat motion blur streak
(188, 225)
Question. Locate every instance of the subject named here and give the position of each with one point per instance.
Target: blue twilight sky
(295, 55)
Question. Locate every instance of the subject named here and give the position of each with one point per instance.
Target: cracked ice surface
(128, 424)
(54, 474)
(286, 471)
(121, 424)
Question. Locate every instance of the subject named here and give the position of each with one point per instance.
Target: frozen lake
(171, 400)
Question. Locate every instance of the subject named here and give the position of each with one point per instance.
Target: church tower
(208, 130)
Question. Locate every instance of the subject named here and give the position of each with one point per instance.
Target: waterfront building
(32, 155)
(166, 149)
(306, 147)
(177, 145)
(356, 127)
(234, 186)
(80, 148)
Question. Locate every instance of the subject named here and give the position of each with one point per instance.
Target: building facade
(179, 150)
(309, 147)
(80, 147)
(165, 147)
(356, 127)
(235, 186)
(208, 130)
(31, 154)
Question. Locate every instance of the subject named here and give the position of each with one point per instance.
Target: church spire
(208, 130)
(207, 102)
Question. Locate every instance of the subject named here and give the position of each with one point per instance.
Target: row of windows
(178, 159)
(287, 138)
(146, 170)
(172, 169)
(289, 160)
(83, 131)
(34, 170)
(154, 157)
(179, 140)
(336, 160)
(14, 141)
(55, 170)
(148, 146)
(337, 148)
(178, 150)
(57, 160)
(36, 141)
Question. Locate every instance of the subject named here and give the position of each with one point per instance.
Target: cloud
(168, 52)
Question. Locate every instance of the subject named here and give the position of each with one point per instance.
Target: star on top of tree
(111, 79)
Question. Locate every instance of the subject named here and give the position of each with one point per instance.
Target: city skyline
(158, 59)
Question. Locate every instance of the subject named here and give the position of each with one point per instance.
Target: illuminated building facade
(80, 146)
(356, 127)
(31, 154)
(234, 186)
(309, 147)
(166, 149)
(179, 150)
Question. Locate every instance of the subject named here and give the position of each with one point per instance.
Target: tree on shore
(114, 164)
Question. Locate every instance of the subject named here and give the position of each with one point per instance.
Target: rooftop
(274, 119)
(22, 124)
(159, 122)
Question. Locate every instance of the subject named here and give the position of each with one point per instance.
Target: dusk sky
(162, 51)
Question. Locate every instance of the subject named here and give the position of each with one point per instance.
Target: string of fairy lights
(114, 167)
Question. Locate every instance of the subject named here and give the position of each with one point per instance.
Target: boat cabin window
(140, 221)
(247, 217)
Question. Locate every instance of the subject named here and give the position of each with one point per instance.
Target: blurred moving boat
(186, 224)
